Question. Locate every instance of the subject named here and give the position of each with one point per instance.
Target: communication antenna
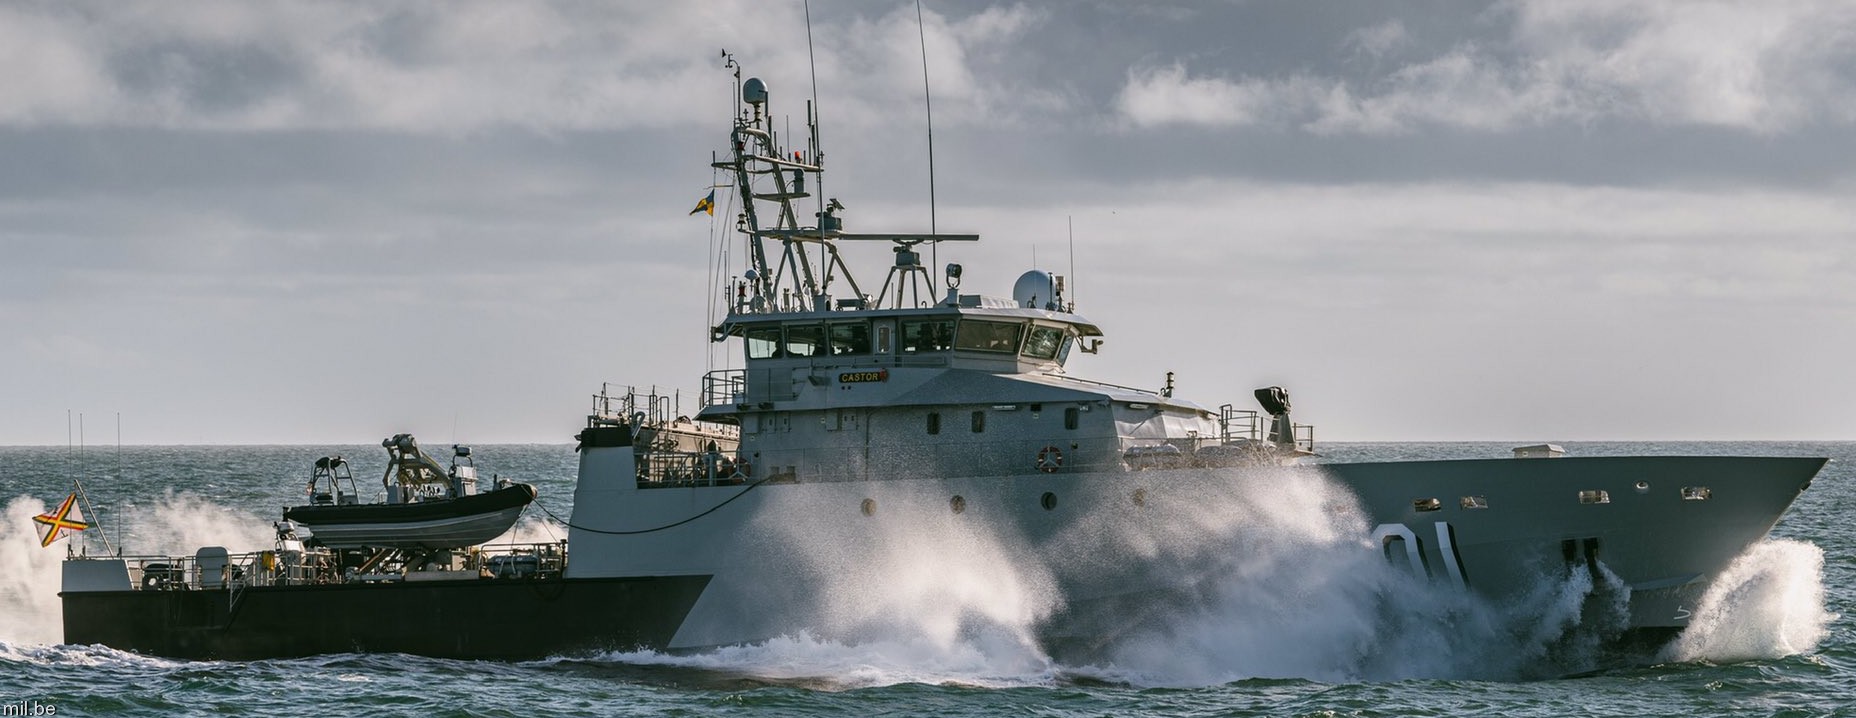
(928, 105)
(1072, 220)
(812, 114)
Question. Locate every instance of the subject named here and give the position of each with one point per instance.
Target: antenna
(928, 105)
(812, 114)
(1072, 220)
(814, 111)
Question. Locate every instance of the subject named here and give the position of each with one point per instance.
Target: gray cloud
(1762, 67)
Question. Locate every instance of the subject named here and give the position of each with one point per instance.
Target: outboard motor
(1275, 401)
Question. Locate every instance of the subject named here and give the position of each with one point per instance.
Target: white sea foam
(838, 665)
(924, 595)
(30, 576)
(1769, 603)
(1290, 590)
(1286, 588)
(181, 523)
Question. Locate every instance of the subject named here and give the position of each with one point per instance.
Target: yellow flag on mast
(706, 204)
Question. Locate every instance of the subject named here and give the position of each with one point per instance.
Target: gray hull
(1115, 548)
(1662, 526)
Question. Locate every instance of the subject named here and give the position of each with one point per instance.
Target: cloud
(1168, 95)
(1758, 67)
(1378, 40)
(464, 66)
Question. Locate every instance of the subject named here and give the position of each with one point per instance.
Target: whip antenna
(1072, 220)
(812, 115)
(928, 105)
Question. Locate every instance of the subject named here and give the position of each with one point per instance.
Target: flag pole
(96, 518)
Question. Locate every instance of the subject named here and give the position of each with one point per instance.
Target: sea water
(926, 634)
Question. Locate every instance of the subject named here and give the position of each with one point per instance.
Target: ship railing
(241, 570)
(1238, 425)
(663, 469)
(649, 408)
(725, 387)
(520, 560)
(1055, 456)
(302, 568)
(162, 573)
(1103, 384)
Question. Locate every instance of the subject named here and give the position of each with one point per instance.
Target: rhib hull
(1086, 549)
(439, 524)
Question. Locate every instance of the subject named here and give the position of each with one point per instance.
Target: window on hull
(850, 338)
(986, 336)
(1043, 342)
(764, 343)
(927, 336)
(805, 340)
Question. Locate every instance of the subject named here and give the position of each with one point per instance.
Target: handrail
(724, 387)
(254, 569)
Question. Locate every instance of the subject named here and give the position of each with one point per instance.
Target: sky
(329, 222)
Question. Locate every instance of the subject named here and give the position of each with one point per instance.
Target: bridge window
(1043, 342)
(763, 342)
(804, 340)
(850, 338)
(927, 336)
(985, 336)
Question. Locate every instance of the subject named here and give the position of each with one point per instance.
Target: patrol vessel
(908, 421)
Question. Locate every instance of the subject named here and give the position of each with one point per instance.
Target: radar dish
(1035, 289)
(754, 92)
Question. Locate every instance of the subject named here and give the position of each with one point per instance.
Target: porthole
(1048, 501)
(1427, 504)
(1139, 497)
(869, 507)
(958, 504)
(1643, 487)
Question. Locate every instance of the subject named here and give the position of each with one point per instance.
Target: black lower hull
(497, 619)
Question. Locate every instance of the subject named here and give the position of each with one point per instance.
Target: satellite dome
(1035, 289)
(754, 92)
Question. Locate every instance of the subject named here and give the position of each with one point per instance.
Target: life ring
(1050, 458)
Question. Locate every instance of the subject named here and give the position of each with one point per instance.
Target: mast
(787, 278)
